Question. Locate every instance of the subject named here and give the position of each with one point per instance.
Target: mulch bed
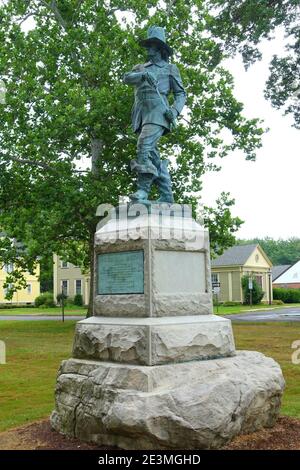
(38, 436)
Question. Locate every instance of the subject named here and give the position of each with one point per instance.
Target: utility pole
(63, 304)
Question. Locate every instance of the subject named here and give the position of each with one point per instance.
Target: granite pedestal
(154, 368)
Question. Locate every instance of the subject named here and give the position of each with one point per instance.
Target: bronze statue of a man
(152, 115)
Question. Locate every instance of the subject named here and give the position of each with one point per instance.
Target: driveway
(282, 314)
(40, 317)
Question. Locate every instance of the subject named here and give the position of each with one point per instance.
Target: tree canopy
(66, 103)
(279, 251)
(242, 24)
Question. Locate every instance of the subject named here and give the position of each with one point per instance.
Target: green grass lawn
(69, 310)
(75, 310)
(275, 340)
(35, 350)
(245, 308)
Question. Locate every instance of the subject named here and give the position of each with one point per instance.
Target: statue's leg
(163, 179)
(164, 184)
(144, 165)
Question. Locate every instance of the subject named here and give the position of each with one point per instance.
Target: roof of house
(291, 275)
(278, 270)
(236, 255)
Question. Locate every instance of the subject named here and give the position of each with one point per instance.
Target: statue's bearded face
(154, 53)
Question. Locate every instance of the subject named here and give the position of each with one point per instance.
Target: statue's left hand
(170, 115)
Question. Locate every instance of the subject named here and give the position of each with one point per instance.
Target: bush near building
(257, 292)
(45, 300)
(78, 300)
(288, 296)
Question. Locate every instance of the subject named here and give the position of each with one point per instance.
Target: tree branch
(32, 13)
(170, 5)
(30, 162)
(79, 3)
(53, 7)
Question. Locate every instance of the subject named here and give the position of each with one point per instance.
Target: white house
(290, 278)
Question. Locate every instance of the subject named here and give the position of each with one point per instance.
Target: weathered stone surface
(194, 405)
(125, 305)
(151, 341)
(169, 305)
(118, 343)
(176, 267)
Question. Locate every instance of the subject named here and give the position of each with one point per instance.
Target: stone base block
(151, 341)
(194, 405)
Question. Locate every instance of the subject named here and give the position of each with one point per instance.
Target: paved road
(40, 317)
(283, 314)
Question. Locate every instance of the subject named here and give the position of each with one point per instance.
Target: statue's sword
(173, 122)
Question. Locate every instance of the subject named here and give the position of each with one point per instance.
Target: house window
(214, 277)
(29, 288)
(64, 264)
(6, 289)
(259, 280)
(78, 286)
(65, 287)
(8, 268)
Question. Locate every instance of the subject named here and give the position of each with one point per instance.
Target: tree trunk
(96, 152)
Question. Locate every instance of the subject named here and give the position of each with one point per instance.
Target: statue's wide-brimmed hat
(157, 35)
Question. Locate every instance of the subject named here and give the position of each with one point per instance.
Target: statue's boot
(144, 185)
(143, 164)
(164, 184)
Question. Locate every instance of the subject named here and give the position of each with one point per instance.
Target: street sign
(250, 284)
(216, 290)
(216, 284)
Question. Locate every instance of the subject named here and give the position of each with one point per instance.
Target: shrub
(288, 296)
(43, 298)
(78, 300)
(61, 296)
(231, 303)
(11, 306)
(257, 292)
(277, 302)
(50, 303)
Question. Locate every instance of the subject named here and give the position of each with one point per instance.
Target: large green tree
(66, 102)
(279, 251)
(242, 24)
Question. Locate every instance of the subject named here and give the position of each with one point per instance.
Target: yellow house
(24, 296)
(236, 262)
(69, 279)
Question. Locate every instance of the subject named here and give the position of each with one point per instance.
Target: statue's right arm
(134, 77)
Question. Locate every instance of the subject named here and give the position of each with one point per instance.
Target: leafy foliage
(257, 292)
(288, 296)
(222, 225)
(46, 274)
(66, 104)
(78, 300)
(279, 251)
(242, 24)
(45, 299)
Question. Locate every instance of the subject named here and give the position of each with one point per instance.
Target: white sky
(266, 190)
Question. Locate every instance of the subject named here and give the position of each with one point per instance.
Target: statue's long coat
(149, 107)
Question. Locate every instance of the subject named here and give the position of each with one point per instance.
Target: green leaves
(64, 89)
(242, 24)
(222, 226)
